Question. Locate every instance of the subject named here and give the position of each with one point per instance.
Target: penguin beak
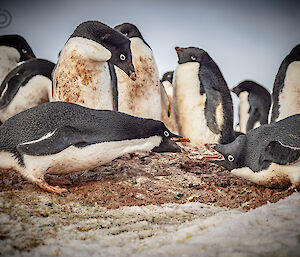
(132, 74)
(177, 138)
(178, 49)
(214, 156)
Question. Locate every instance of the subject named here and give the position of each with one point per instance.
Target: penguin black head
(113, 40)
(19, 43)
(249, 86)
(294, 55)
(191, 54)
(168, 76)
(233, 153)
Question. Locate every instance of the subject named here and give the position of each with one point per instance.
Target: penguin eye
(166, 133)
(122, 57)
(24, 51)
(230, 158)
(193, 58)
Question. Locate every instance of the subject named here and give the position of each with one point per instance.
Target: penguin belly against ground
(84, 73)
(286, 90)
(28, 85)
(13, 49)
(61, 137)
(254, 106)
(141, 97)
(168, 115)
(202, 101)
(268, 155)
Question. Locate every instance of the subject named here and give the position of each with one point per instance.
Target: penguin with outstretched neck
(85, 72)
(61, 137)
(202, 101)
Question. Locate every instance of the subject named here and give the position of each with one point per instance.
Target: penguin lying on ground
(268, 155)
(61, 137)
(202, 101)
(286, 89)
(13, 49)
(84, 73)
(27, 85)
(141, 97)
(254, 106)
(168, 116)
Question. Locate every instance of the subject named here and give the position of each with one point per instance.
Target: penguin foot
(52, 189)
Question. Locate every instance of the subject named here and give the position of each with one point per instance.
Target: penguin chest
(289, 98)
(9, 57)
(189, 105)
(244, 108)
(141, 97)
(75, 159)
(275, 175)
(82, 81)
(36, 91)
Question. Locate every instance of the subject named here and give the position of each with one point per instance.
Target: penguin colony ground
(102, 70)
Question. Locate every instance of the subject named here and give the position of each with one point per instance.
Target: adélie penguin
(141, 97)
(27, 85)
(61, 137)
(202, 101)
(85, 72)
(268, 155)
(254, 105)
(286, 89)
(13, 49)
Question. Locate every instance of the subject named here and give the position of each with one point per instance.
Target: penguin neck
(9, 57)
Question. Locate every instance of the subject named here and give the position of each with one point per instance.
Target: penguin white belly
(76, 159)
(141, 97)
(275, 175)
(9, 58)
(38, 90)
(244, 107)
(289, 98)
(189, 106)
(79, 79)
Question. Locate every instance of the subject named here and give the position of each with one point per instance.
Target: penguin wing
(253, 117)
(54, 142)
(114, 82)
(280, 153)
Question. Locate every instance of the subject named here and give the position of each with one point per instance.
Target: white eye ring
(24, 51)
(230, 158)
(193, 57)
(122, 57)
(166, 133)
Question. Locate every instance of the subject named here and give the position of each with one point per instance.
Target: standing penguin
(168, 116)
(268, 155)
(13, 49)
(61, 137)
(27, 85)
(84, 73)
(142, 97)
(286, 89)
(202, 100)
(255, 102)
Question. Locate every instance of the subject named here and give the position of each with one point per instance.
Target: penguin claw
(52, 189)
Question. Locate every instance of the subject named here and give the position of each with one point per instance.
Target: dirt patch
(144, 179)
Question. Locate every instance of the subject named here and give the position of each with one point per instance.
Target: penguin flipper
(281, 154)
(54, 142)
(114, 82)
(8, 89)
(253, 117)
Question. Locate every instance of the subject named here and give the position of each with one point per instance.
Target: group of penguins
(104, 98)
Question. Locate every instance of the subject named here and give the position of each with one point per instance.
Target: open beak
(177, 138)
(214, 156)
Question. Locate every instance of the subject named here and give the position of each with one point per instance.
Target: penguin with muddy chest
(13, 49)
(141, 97)
(85, 72)
(27, 85)
(61, 137)
(286, 89)
(254, 106)
(202, 101)
(268, 155)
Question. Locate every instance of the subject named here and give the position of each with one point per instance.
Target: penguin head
(233, 153)
(20, 44)
(192, 54)
(241, 87)
(168, 76)
(112, 40)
